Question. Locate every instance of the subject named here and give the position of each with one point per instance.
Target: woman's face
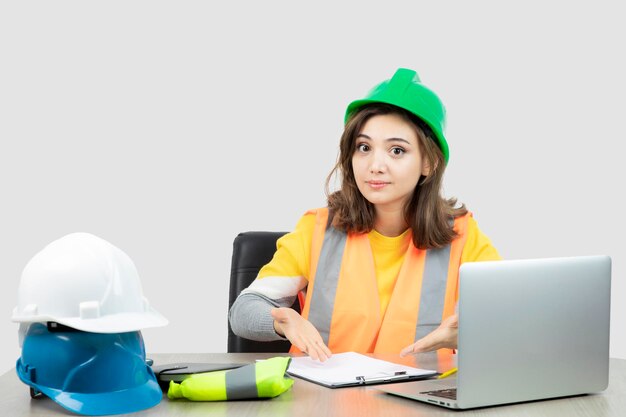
(387, 161)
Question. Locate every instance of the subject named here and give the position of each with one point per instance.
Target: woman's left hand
(444, 336)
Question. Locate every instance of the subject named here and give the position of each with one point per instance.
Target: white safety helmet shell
(84, 282)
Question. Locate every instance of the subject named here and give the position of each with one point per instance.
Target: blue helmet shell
(89, 373)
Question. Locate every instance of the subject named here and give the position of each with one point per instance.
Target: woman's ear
(427, 169)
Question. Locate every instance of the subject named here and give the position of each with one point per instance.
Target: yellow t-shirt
(288, 271)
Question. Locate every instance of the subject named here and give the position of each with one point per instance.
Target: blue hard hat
(89, 373)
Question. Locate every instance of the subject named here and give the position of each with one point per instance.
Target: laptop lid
(533, 329)
(528, 330)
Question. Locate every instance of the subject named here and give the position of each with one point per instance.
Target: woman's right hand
(300, 332)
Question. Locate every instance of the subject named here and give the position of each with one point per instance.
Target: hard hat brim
(114, 323)
(439, 137)
(103, 403)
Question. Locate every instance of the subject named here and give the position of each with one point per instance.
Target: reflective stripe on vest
(433, 291)
(329, 266)
(342, 295)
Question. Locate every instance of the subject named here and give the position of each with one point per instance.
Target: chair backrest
(251, 251)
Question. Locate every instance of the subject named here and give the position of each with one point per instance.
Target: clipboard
(352, 369)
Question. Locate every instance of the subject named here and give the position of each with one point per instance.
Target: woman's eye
(362, 147)
(397, 151)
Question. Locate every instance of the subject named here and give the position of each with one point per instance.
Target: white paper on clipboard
(350, 368)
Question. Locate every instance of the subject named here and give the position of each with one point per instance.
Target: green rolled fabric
(264, 379)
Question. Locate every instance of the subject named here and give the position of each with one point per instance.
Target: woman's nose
(377, 163)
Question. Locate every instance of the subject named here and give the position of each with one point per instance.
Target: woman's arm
(250, 316)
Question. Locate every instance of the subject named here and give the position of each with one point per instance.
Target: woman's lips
(377, 185)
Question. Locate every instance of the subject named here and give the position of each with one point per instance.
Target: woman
(379, 266)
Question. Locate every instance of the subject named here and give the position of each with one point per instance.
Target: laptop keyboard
(445, 393)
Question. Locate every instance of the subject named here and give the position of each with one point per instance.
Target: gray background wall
(169, 127)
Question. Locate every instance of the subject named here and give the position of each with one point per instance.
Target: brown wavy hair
(427, 213)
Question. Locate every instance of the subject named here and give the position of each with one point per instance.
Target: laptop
(528, 330)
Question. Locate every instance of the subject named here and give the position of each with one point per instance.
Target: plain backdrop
(167, 128)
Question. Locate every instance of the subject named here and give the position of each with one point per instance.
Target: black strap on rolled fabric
(241, 383)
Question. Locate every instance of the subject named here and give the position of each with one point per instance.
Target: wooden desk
(307, 399)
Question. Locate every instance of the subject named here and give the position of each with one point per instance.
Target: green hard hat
(405, 90)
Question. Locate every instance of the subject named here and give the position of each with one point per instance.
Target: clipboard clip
(396, 376)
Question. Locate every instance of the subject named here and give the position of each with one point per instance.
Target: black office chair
(252, 250)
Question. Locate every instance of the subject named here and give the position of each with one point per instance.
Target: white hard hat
(84, 282)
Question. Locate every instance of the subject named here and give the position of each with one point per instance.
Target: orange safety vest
(342, 299)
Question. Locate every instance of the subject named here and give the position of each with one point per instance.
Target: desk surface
(307, 399)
